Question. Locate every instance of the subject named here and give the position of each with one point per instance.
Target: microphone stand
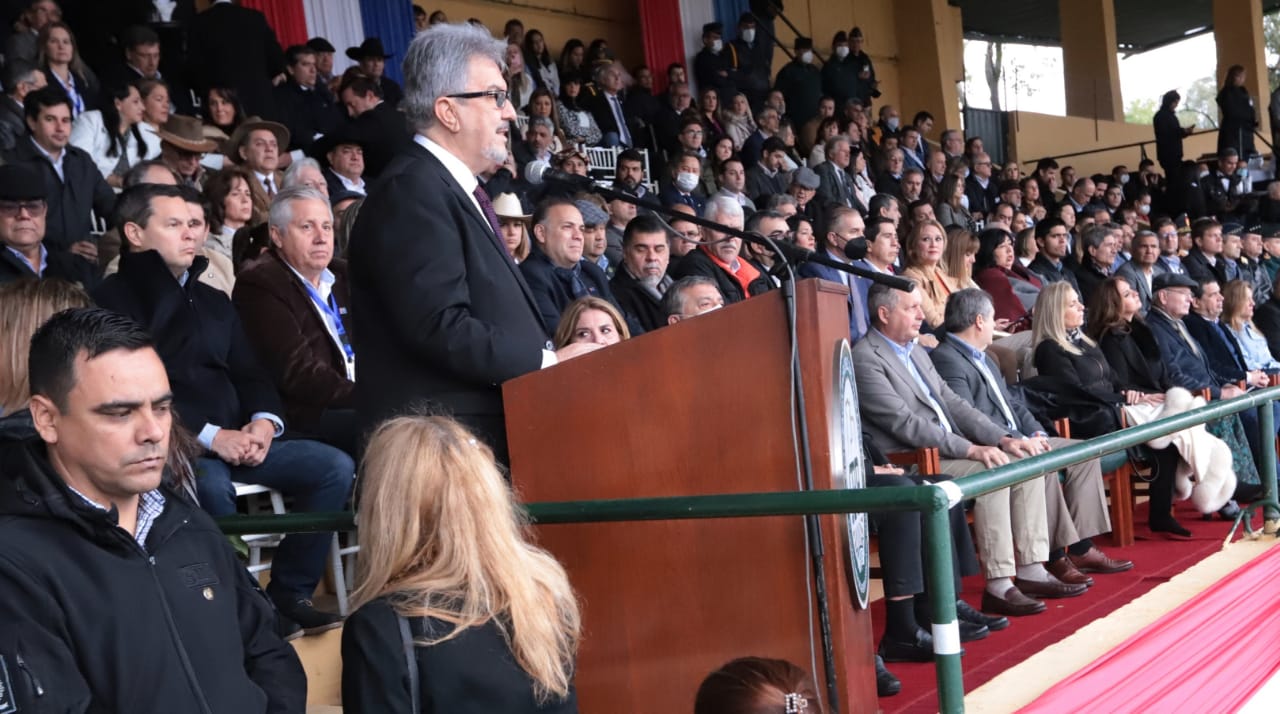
(793, 256)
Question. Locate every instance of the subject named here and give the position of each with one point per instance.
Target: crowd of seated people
(212, 201)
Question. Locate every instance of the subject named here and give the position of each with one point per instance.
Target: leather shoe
(310, 620)
(1226, 513)
(1064, 570)
(887, 685)
(966, 613)
(970, 631)
(1095, 561)
(1248, 492)
(1013, 604)
(1168, 525)
(1048, 588)
(919, 649)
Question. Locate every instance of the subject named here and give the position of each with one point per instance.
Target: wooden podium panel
(700, 407)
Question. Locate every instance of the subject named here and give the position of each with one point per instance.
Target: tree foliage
(1140, 111)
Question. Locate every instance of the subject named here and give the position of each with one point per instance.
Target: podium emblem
(849, 472)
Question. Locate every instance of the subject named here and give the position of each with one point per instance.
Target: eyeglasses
(499, 96)
(11, 209)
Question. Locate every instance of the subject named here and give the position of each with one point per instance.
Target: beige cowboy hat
(507, 205)
(186, 133)
(249, 125)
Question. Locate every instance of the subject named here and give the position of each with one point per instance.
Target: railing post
(942, 603)
(1267, 469)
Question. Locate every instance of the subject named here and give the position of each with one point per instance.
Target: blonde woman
(444, 545)
(958, 256)
(925, 246)
(591, 319)
(24, 307)
(1237, 315)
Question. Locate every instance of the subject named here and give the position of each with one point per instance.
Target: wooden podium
(701, 407)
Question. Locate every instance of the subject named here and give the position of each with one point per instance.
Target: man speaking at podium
(445, 316)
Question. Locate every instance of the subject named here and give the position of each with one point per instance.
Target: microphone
(538, 172)
(856, 249)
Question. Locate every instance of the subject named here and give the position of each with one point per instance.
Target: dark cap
(1269, 230)
(747, 18)
(855, 33)
(1174, 280)
(19, 182)
(712, 28)
(804, 43)
(1232, 229)
(839, 38)
(320, 44)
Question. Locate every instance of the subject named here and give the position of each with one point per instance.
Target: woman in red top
(1012, 287)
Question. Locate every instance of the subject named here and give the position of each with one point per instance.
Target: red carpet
(1156, 560)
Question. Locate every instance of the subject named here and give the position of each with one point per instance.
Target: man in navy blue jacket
(556, 273)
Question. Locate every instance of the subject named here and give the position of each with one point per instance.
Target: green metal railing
(932, 500)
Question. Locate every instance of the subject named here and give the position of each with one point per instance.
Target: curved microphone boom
(538, 172)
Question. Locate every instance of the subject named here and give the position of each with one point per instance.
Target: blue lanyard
(330, 308)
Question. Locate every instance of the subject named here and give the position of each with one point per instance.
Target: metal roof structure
(1141, 25)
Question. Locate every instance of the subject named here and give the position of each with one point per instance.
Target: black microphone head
(856, 249)
(535, 171)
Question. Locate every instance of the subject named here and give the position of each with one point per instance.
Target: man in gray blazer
(1144, 266)
(906, 405)
(959, 358)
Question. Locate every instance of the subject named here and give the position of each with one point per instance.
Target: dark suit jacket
(13, 124)
(1131, 272)
(292, 342)
(384, 133)
(119, 74)
(70, 202)
(832, 190)
(213, 370)
(1050, 273)
(306, 113)
(552, 287)
(232, 46)
(1220, 349)
(697, 262)
(760, 186)
(391, 91)
(598, 105)
(982, 200)
(60, 264)
(962, 376)
(896, 412)
(857, 311)
(444, 314)
(1197, 266)
(1184, 367)
(1088, 279)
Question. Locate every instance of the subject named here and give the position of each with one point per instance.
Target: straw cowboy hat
(186, 133)
(507, 205)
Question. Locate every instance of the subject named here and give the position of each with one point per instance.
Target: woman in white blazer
(111, 136)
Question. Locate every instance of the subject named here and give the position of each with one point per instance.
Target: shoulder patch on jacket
(8, 700)
(193, 576)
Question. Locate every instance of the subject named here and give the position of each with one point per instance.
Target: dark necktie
(487, 206)
(271, 190)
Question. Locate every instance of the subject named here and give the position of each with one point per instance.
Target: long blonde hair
(1048, 324)
(442, 536)
(961, 243)
(25, 305)
(1234, 296)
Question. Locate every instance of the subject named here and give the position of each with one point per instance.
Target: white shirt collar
(456, 168)
(326, 280)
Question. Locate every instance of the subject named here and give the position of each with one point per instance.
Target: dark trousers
(317, 476)
(901, 546)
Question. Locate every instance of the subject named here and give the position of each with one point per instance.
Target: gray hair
(281, 212)
(544, 122)
(673, 300)
(835, 141)
(778, 200)
(1097, 234)
(966, 306)
(720, 207)
(291, 179)
(880, 295)
(436, 65)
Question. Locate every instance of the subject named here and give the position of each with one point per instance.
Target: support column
(1237, 29)
(1089, 62)
(934, 66)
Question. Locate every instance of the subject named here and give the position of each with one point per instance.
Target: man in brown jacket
(293, 301)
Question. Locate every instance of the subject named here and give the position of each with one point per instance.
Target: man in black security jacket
(720, 259)
(445, 316)
(123, 595)
(223, 395)
(73, 185)
(302, 104)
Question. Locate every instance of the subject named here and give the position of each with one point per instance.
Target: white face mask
(893, 123)
(749, 36)
(842, 51)
(1124, 179)
(964, 201)
(1144, 209)
(806, 57)
(686, 181)
(1204, 173)
(717, 45)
